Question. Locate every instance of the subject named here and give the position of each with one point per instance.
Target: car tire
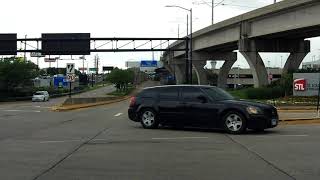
(234, 122)
(149, 119)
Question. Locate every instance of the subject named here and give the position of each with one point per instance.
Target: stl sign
(300, 84)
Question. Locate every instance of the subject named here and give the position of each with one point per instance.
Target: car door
(198, 107)
(168, 104)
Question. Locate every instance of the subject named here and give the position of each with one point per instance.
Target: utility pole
(97, 63)
(38, 56)
(191, 49)
(25, 48)
(83, 64)
(275, 1)
(212, 16)
(187, 53)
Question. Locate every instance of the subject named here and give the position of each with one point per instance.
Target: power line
(224, 4)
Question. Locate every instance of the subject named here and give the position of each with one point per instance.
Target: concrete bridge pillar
(229, 59)
(248, 48)
(302, 48)
(293, 62)
(224, 72)
(180, 73)
(169, 68)
(200, 72)
(258, 69)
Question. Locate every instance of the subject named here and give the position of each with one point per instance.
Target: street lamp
(190, 45)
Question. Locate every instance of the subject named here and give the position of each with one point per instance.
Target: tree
(121, 78)
(286, 82)
(16, 73)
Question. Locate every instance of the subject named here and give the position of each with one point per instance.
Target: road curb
(295, 110)
(81, 106)
(299, 119)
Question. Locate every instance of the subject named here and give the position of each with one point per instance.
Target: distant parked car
(199, 106)
(40, 96)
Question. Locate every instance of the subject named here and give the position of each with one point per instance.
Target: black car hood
(249, 103)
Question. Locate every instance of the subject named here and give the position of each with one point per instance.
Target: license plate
(274, 122)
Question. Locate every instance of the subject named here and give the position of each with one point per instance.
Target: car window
(148, 93)
(38, 93)
(217, 93)
(169, 93)
(191, 94)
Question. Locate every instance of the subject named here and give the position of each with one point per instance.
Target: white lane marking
(173, 138)
(119, 114)
(46, 142)
(295, 135)
(66, 141)
(100, 139)
(16, 110)
(288, 135)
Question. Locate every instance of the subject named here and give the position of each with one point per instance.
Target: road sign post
(70, 69)
(69, 89)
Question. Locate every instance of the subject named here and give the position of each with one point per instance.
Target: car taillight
(132, 101)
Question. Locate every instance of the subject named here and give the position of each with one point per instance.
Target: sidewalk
(297, 107)
(298, 115)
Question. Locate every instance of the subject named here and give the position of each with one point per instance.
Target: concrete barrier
(74, 101)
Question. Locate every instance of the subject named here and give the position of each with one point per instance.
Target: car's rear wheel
(149, 119)
(234, 122)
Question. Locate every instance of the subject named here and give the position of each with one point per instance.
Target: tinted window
(38, 93)
(191, 94)
(217, 93)
(171, 93)
(148, 93)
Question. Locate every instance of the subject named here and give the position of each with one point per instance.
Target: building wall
(246, 77)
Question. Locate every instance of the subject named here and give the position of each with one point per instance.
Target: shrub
(265, 93)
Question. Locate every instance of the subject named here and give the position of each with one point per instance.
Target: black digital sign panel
(107, 68)
(8, 44)
(66, 44)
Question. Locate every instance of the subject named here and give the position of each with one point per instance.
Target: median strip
(87, 105)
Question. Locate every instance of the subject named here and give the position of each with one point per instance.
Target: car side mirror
(202, 99)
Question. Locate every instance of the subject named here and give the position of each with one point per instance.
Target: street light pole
(212, 15)
(189, 45)
(25, 48)
(190, 49)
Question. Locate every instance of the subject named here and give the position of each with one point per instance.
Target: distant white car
(40, 96)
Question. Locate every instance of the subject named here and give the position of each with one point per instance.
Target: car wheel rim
(234, 122)
(148, 118)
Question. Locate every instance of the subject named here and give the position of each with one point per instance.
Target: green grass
(122, 93)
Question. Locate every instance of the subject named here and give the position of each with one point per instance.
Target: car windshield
(38, 93)
(218, 94)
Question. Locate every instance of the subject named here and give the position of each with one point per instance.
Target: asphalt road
(101, 143)
(37, 107)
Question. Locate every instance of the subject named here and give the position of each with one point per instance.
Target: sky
(123, 18)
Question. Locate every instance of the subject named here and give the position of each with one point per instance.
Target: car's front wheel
(149, 119)
(234, 122)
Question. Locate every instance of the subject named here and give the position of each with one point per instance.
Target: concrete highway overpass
(280, 27)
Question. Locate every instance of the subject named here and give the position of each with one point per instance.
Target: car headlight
(253, 110)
